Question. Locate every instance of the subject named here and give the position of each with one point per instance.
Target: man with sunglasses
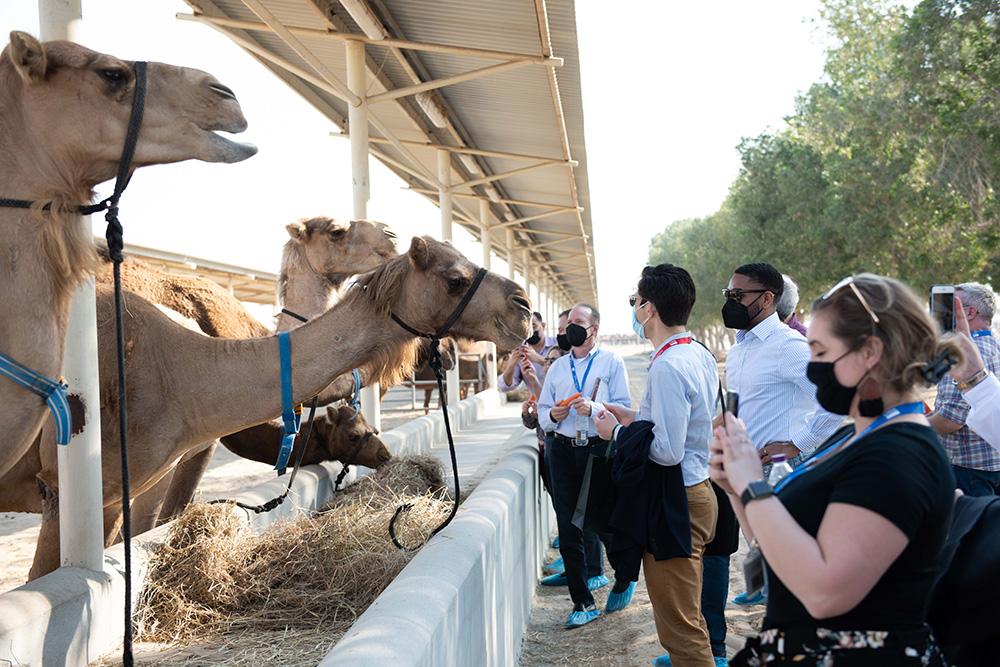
(767, 368)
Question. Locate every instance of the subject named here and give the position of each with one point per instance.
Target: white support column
(453, 382)
(487, 241)
(81, 516)
(510, 254)
(444, 193)
(525, 260)
(491, 365)
(357, 118)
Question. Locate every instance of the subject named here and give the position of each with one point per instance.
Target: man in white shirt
(767, 368)
(532, 351)
(574, 383)
(680, 400)
(979, 387)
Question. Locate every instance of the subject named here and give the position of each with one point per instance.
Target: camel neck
(303, 291)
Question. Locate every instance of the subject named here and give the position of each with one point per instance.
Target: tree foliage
(890, 163)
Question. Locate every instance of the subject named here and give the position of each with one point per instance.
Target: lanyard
(686, 340)
(916, 407)
(586, 373)
(981, 333)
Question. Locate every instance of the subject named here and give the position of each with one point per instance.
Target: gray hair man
(975, 463)
(786, 304)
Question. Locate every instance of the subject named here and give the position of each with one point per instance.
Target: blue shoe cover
(555, 567)
(743, 599)
(662, 661)
(582, 617)
(554, 580)
(600, 581)
(618, 601)
(721, 662)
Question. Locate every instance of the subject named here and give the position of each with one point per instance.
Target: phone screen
(943, 309)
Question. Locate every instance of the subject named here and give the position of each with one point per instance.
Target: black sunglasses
(632, 299)
(735, 294)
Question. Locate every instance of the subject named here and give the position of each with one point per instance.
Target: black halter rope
(434, 361)
(114, 235)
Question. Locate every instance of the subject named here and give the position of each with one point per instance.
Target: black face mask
(735, 315)
(576, 335)
(535, 337)
(563, 341)
(835, 397)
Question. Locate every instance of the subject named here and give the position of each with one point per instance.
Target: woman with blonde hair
(850, 540)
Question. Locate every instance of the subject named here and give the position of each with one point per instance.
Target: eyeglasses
(849, 281)
(736, 293)
(632, 299)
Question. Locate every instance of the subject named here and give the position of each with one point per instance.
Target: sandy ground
(627, 637)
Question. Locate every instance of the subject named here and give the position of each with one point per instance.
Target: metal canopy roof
(496, 84)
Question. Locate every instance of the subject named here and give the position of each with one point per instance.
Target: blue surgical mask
(639, 327)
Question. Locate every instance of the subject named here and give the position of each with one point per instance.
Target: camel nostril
(222, 90)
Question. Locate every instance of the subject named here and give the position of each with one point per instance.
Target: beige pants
(674, 587)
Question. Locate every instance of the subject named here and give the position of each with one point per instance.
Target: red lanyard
(677, 341)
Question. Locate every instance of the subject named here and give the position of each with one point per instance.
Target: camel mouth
(228, 150)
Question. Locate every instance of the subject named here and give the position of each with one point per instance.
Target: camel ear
(333, 414)
(297, 230)
(420, 253)
(28, 56)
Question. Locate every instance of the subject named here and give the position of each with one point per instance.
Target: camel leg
(47, 548)
(186, 477)
(427, 400)
(147, 505)
(113, 525)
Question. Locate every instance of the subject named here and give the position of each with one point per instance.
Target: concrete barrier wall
(465, 599)
(73, 616)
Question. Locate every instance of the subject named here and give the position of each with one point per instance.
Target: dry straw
(214, 575)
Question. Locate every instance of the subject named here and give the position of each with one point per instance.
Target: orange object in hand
(565, 402)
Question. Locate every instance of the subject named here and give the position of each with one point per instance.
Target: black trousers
(580, 549)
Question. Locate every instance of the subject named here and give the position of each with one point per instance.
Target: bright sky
(669, 90)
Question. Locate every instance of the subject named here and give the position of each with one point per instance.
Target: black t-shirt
(900, 472)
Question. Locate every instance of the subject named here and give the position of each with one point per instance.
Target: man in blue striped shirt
(574, 384)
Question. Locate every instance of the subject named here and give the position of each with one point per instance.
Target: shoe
(618, 601)
(721, 662)
(554, 580)
(662, 661)
(594, 583)
(582, 615)
(555, 542)
(744, 600)
(555, 567)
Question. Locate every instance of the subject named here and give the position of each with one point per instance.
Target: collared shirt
(517, 377)
(984, 417)
(767, 367)
(965, 447)
(679, 399)
(608, 366)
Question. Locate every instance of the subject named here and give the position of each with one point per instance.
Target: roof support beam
(537, 216)
(538, 246)
(507, 174)
(465, 150)
(516, 202)
(405, 91)
(486, 54)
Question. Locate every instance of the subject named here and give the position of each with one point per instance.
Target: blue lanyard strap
(586, 373)
(356, 396)
(290, 417)
(916, 407)
(981, 333)
(53, 392)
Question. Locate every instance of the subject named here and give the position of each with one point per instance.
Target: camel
(205, 387)
(64, 110)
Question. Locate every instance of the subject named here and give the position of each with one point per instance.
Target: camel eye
(455, 284)
(114, 76)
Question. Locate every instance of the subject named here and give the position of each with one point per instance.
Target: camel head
(67, 108)
(424, 286)
(339, 434)
(334, 247)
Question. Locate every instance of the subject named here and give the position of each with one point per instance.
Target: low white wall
(465, 599)
(73, 616)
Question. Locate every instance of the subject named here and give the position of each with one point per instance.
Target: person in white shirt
(532, 352)
(980, 388)
(573, 385)
(680, 400)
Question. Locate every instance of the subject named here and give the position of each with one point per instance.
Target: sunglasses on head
(736, 293)
(849, 282)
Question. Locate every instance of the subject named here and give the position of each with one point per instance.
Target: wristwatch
(756, 491)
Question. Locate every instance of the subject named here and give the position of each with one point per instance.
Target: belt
(591, 442)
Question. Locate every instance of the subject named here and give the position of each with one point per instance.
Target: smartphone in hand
(942, 306)
(733, 403)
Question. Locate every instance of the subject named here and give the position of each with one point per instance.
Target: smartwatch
(756, 491)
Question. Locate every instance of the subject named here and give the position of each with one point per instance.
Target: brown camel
(221, 386)
(64, 110)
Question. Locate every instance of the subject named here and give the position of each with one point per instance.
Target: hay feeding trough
(308, 578)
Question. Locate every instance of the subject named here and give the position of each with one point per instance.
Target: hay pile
(214, 575)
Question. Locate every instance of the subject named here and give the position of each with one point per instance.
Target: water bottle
(779, 470)
(582, 430)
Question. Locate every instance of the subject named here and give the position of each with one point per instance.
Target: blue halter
(53, 392)
(291, 415)
(356, 396)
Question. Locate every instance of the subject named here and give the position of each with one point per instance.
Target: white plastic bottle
(779, 470)
(582, 430)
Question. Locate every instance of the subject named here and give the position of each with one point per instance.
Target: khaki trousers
(674, 587)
